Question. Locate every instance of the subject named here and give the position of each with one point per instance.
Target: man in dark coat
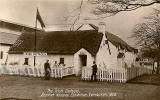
(94, 71)
(47, 70)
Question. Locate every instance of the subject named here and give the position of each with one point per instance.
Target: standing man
(94, 71)
(47, 70)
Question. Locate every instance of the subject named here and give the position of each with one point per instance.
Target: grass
(32, 88)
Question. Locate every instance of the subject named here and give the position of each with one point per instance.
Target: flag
(39, 18)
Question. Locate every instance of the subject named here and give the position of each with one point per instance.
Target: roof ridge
(91, 25)
(18, 24)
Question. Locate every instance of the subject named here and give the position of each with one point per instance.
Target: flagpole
(38, 18)
(35, 38)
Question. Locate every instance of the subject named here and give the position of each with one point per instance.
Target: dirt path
(32, 88)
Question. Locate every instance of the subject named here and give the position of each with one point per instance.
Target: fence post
(125, 75)
(62, 73)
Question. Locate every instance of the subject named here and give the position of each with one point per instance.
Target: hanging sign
(35, 53)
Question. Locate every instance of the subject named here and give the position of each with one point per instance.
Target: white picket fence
(37, 71)
(115, 75)
(103, 74)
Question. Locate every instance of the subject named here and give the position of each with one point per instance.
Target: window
(1, 55)
(61, 60)
(25, 61)
(137, 59)
(120, 55)
(106, 41)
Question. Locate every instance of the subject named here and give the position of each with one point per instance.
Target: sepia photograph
(79, 49)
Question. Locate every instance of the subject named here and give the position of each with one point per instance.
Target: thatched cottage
(73, 48)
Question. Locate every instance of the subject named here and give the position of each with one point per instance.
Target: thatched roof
(17, 26)
(66, 42)
(8, 38)
(59, 42)
(115, 40)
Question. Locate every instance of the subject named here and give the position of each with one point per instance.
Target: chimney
(102, 27)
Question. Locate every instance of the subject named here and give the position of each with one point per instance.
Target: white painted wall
(5, 49)
(103, 56)
(77, 66)
(68, 59)
(130, 58)
(104, 59)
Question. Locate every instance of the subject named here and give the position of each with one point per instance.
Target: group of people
(58, 64)
(47, 69)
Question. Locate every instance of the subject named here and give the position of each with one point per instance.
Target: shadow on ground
(153, 79)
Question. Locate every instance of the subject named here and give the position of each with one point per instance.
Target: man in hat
(47, 70)
(94, 71)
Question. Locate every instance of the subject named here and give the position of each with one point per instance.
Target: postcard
(79, 49)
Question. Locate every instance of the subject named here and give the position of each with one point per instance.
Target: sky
(53, 13)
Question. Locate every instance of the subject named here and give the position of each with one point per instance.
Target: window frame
(61, 60)
(1, 55)
(26, 61)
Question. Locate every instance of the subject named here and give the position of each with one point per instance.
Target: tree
(148, 36)
(148, 32)
(107, 8)
(115, 6)
(74, 15)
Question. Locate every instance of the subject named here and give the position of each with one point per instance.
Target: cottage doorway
(83, 61)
